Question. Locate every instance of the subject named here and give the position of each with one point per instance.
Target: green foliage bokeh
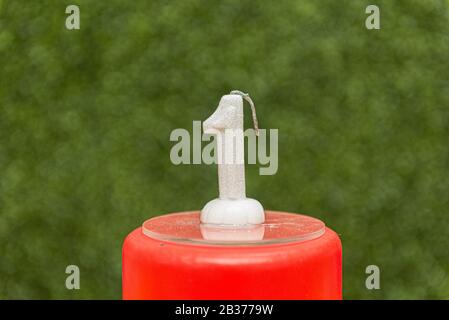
(86, 117)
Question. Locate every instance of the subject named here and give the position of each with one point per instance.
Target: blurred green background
(363, 119)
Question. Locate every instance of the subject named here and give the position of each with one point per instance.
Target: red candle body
(159, 269)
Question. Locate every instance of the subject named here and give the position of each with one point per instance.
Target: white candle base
(231, 234)
(233, 212)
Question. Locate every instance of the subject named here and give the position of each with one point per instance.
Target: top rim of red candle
(278, 228)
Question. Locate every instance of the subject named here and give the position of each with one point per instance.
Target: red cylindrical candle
(174, 257)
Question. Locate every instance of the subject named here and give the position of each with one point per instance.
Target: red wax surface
(162, 269)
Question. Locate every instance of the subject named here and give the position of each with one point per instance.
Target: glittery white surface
(229, 115)
(232, 207)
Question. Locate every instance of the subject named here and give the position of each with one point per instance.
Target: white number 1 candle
(232, 207)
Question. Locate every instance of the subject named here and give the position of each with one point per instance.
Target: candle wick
(253, 108)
